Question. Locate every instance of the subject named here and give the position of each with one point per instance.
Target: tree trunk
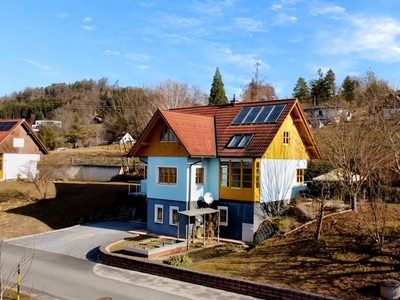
(353, 202)
(319, 227)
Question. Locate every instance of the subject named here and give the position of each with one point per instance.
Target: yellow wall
(153, 146)
(294, 150)
(1, 166)
(242, 194)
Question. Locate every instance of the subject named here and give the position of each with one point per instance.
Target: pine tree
(217, 93)
(301, 90)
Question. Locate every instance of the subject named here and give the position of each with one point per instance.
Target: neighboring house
(38, 123)
(245, 155)
(127, 138)
(326, 114)
(20, 149)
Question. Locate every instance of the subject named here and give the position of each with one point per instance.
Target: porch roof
(198, 211)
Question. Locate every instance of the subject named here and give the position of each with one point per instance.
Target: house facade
(20, 149)
(247, 157)
(325, 114)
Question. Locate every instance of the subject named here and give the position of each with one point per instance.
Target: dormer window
(167, 135)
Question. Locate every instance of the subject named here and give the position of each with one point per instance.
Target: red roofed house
(247, 157)
(20, 148)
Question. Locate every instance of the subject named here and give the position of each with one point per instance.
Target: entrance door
(1, 166)
(247, 232)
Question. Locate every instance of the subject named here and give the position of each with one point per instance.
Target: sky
(143, 43)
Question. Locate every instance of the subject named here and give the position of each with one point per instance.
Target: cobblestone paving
(81, 241)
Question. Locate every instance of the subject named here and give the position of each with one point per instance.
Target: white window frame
(156, 207)
(204, 176)
(224, 208)
(171, 209)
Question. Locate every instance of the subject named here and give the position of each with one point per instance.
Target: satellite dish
(208, 198)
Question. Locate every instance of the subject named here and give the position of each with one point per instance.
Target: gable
(16, 136)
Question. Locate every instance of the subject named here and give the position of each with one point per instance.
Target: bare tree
(41, 175)
(257, 89)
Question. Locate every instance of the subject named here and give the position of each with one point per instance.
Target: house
(127, 138)
(38, 123)
(20, 149)
(327, 113)
(246, 157)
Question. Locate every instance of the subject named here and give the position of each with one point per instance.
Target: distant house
(38, 123)
(238, 159)
(20, 149)
(97, 120)
(327, 113)
(127, 138)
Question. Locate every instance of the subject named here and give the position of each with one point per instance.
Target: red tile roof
(196, 133)
(206, 130)
(21, 122)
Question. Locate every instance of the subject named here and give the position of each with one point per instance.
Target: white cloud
(147, 4)
(247, 60)
(248, 24)
(112, 52)
(88, 27)
(376, 39)
(62, 15)
(212, 7)
(37, 65)
(283, 19)
(276, 7)
(176, 21)
(137, 56)
(327, 9)
(87, 19)
(143, 67)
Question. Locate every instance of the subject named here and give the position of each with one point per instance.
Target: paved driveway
(82, 241)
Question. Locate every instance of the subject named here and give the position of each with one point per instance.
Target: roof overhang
(198, 211)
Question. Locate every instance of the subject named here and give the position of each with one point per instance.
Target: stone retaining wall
(245, 287)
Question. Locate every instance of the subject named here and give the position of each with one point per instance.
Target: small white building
(38, 123)
(328, 113)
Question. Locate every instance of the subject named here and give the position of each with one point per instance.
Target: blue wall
(165, 228)
(164, 191)
(238, 213)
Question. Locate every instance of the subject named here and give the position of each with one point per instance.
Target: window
(257, 174)
(286, 137)
(167, 135)
(200, 176)
(223, 215)
(239, 141)
(300, 175)
(158, 213)
(167, 175)
(236, 174)
(145, 171)
(173, 215)
(1, 162)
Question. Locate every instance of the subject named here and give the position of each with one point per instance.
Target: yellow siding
(243, 194)
(295, 148)
(153, 147)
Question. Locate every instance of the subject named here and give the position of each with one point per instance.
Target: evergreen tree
(49, 135)
(77, 132)
(348, 87)
(301, 90)
(330, 80)
(217, 93)
(320, 89)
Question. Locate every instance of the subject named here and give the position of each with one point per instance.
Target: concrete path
(82, 241)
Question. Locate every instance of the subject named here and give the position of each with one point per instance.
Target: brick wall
(249, 288)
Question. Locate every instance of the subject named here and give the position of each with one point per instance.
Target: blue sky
(142, 43)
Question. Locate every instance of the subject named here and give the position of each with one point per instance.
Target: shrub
(179, 261)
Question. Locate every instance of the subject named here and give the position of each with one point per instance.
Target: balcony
(137, 188)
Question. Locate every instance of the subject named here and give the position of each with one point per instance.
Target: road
(59, 276)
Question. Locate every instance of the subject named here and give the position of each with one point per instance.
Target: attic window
(167, 135)
(239, 141)
(259, 114)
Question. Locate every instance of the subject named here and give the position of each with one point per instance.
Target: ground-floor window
(158, 213)
(173, 215)
(236, 174)
(223, 215)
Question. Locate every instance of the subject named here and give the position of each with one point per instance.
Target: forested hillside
(117, 110)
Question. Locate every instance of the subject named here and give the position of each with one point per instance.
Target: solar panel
(275, 113)
(259, 114)
(252, 115)
(5, 126)
(242, 114)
